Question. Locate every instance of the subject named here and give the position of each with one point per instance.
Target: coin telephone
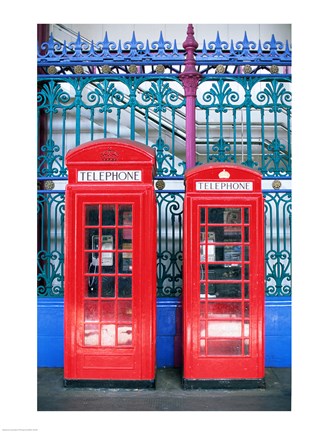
(210, 247)
(107, 258)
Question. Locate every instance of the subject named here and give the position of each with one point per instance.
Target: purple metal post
(190, 78)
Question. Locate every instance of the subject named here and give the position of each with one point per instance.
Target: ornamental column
(190, 79)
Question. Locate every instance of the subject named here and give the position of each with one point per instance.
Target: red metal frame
(110, 283)
(223, 292)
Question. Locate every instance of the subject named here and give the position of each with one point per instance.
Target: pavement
(168, 395)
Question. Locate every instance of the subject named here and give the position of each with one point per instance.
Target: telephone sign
(110, 265)
(223, 292)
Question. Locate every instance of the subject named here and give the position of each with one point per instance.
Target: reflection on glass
(125, 335)
(108, 335)
(91, 334)
(224, 329)
(108, 310)
(224, 347)
(225, 309)
(91, 311)
(125, 311)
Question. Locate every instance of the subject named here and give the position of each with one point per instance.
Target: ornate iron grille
(243, 115)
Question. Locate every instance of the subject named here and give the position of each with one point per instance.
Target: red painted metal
(223, 295)
(110, 262)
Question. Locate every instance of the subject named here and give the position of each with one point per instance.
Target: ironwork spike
(133, 40)
(64, 49)
(147, 49)
(273, 45)
(175, 48)
(232, 49)
(204, 48)
(119, 49)
(105, 42)
(161, 40)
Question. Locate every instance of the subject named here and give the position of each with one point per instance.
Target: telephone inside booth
(110, 265)
(224, 250)
(111, 252)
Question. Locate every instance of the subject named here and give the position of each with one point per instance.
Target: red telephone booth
(223, 291)
(110, 265)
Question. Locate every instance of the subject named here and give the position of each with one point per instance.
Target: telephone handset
(107, 259)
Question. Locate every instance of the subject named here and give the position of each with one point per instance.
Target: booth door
(228, 300)
(108, 313)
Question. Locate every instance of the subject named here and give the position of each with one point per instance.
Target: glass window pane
(91, 334)
(246, 253)
(216, 215)
(91, 311)
(108, 214)
(247, 271)
(224, 347)
(246, 215)
(108, 311)
(246, 234)
(224, 290)
(125, 311)
(231, 253)
(224, 328)
(202, 215)
(125, 214)
(91, 288)
(108, 286)
(108, 335)
(222, 272)
(246, 290)
(224, 310)
(92, 215)
(232, 216)
(124, 286)
(125, 335)
(232, 234)
(91, 238)
(125, 262)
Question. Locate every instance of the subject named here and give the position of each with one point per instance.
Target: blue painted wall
(169, 332)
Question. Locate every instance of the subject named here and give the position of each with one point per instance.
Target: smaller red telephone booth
(223, 295)
(110, 265)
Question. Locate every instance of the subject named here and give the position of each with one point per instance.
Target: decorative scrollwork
(169, 254)
(278, 248)
(50, 256)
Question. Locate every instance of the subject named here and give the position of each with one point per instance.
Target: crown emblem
(224, 174)
(109, 155)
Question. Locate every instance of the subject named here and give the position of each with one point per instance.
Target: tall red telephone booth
(223, 291)
(110, 265)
